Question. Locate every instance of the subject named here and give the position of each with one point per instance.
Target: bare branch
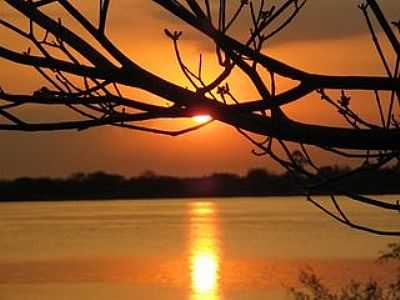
(84, 71)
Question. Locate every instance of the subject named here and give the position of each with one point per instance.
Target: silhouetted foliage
(257, 182)
(314, 288)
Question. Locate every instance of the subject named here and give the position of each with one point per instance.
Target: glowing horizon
(143, 39)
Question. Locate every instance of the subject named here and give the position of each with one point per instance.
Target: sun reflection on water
(204, 252)
(204, 273)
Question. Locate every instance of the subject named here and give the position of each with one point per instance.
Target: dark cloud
(319, 20)
(326, 19)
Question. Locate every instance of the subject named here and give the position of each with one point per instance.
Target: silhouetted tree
(313, 287)
(85, 71)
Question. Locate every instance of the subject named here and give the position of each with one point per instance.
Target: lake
(217, 249)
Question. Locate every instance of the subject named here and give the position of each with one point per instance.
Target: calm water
(244, 248)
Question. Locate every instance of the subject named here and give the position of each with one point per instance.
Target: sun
(202, 118)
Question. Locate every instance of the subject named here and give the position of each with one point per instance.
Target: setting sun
(202, 118)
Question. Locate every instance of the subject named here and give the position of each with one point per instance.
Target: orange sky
(326, 37)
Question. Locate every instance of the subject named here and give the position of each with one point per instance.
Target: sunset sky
(329, 36)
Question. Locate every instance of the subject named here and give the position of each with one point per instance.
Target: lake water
(217, 249)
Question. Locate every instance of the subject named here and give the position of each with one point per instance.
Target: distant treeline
(257, 182)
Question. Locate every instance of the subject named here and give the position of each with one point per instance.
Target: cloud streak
(319, 20)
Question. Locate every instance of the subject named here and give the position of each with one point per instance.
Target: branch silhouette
(102, 68)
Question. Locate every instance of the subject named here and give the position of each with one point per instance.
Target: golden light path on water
(204, 252)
